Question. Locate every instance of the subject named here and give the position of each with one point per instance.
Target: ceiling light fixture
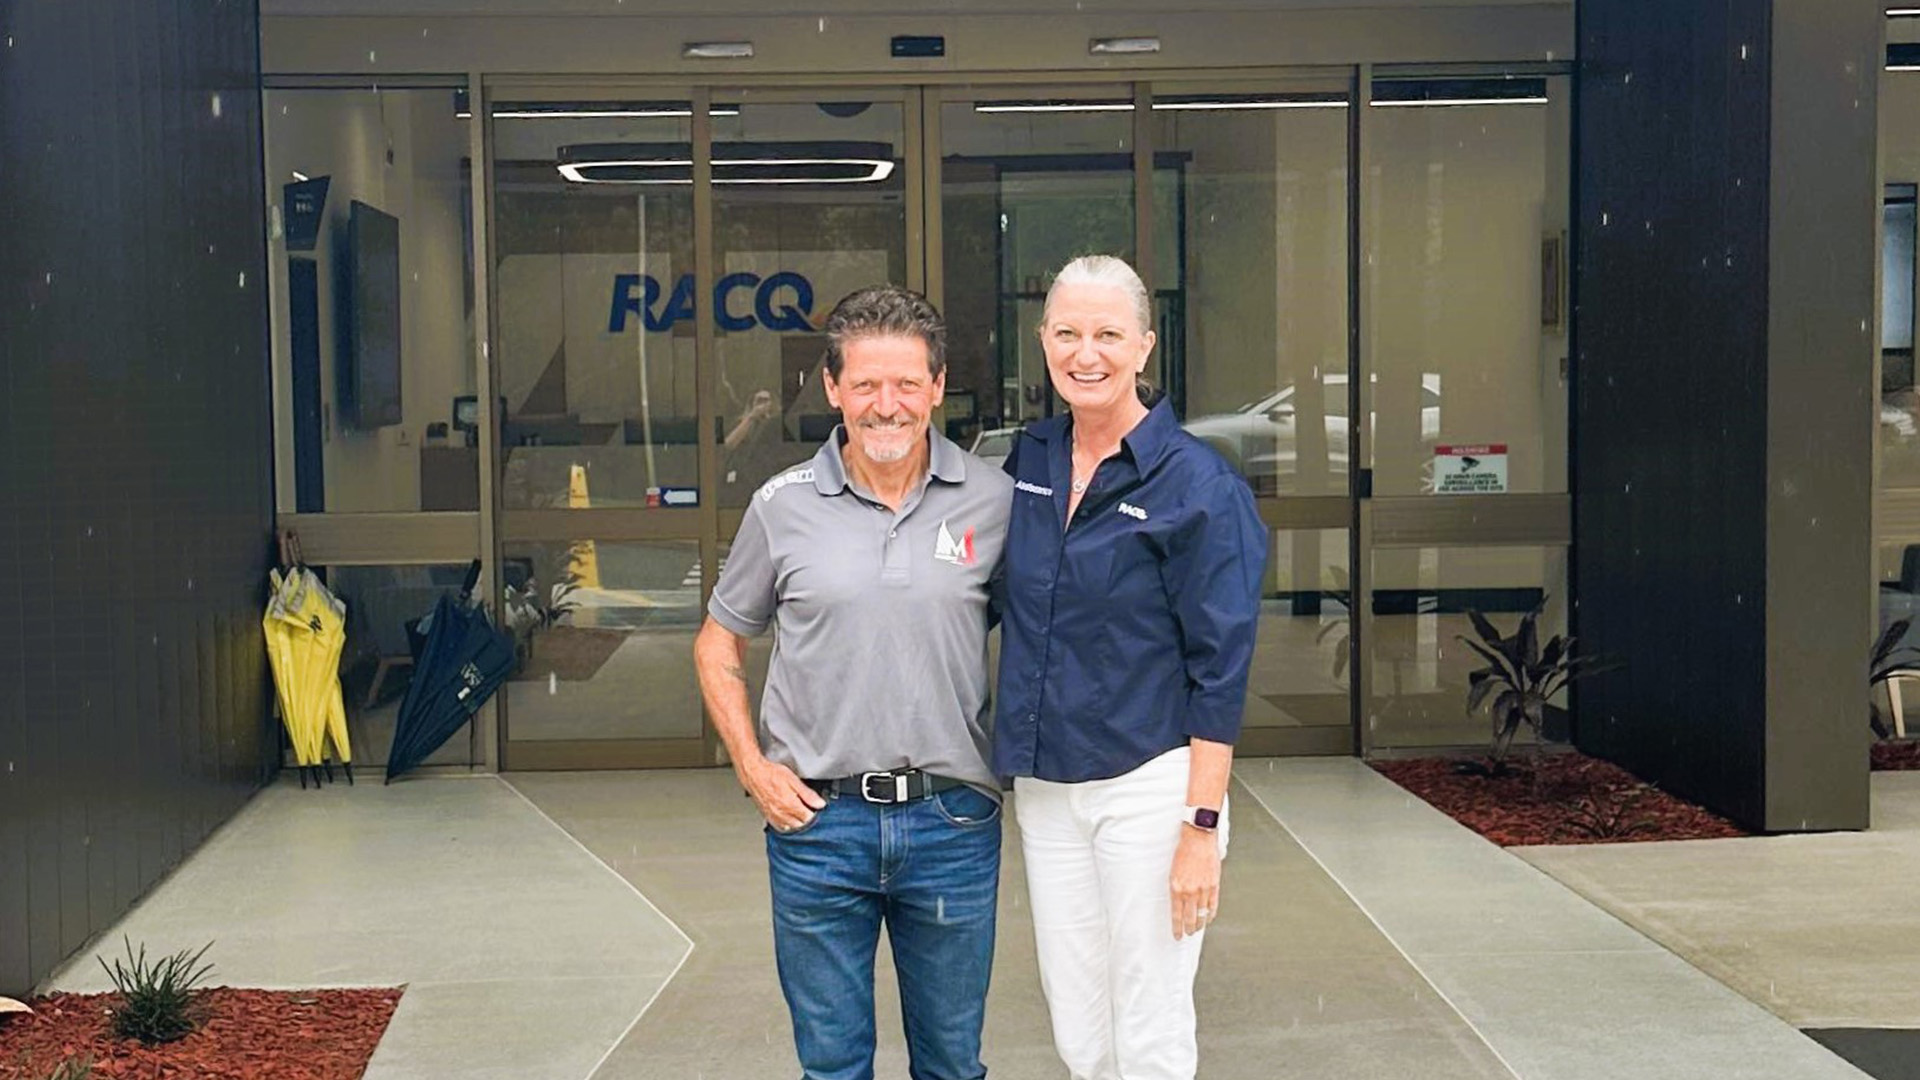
(587, 110)
(717, 50)
(1386, 104)
(1175, 103)
(733, 163)
(1123, 46)
(1442, 93)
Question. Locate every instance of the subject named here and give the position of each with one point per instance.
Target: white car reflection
(1261, 440)
(993, 446)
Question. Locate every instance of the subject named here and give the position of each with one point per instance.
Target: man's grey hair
(885, 311)
(1106, 270)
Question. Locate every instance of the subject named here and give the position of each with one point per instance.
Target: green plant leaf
(1501, 669)
(1484, 628)
(1481, 687)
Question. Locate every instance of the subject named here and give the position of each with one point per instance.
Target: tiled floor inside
(615, 925)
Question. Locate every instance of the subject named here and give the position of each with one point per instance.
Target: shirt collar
(945, 461)
(1146, 444)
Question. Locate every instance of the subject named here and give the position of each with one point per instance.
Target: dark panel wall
(1687, 432)
(135, 455)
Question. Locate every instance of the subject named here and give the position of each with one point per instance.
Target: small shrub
(158, 1001)
(1614, 816)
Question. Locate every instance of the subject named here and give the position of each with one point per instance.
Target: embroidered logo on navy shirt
(1032, 489)
(1133, 511)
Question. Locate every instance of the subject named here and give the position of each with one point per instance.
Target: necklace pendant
(1079, 487)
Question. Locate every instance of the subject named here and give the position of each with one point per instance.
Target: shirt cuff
(1214, 723)
(732, 619)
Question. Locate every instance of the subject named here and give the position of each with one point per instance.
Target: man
(870, 759)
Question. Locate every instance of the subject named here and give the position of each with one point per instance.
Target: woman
(1133, 566)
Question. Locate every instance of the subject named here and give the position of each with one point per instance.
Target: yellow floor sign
(584, 560)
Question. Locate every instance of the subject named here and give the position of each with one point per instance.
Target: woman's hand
(1195, 881)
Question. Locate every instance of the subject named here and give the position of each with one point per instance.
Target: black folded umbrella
(465, 658)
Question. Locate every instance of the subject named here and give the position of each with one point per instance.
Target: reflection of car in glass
(994, 445)
(1259, 438)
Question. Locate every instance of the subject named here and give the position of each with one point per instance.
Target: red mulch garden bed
(1560, 798)
(1896, 756)
(247, 1035)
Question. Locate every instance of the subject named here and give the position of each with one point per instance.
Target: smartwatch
(1201, 817)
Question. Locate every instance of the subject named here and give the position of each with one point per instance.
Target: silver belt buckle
(898, 795)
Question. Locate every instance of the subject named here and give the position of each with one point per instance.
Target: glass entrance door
(663, 262)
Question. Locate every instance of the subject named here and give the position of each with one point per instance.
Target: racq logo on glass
(782, 301)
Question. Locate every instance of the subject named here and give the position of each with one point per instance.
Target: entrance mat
(1884, 1054)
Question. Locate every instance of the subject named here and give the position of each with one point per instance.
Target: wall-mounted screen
(370, 319)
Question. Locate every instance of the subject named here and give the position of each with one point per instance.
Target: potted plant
(1521, 677)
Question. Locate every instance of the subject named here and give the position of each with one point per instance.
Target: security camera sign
(1470, 470)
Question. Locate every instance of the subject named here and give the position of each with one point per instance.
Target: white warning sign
(1470, 470)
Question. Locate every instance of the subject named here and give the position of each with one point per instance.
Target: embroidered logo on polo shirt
(792, 476)
(947, 549)
(1133, 511)
(1032, 489)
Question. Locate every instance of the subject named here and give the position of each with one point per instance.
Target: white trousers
(1099, 857)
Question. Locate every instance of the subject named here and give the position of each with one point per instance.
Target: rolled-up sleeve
(1213, 569)
(745, 596)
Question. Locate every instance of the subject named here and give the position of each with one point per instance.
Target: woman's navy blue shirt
(1131, 631)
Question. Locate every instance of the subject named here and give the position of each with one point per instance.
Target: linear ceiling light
(586, 110)
(1385, 104)
(733, 163)
(1903, 13)
(1052, 106)
(717, 50)
(1175, 103)
(1123, 46)
(1453, 92)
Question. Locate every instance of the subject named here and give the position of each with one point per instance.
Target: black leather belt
(895, 786)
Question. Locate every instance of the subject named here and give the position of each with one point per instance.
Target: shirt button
(1033, 718)
(891, 533)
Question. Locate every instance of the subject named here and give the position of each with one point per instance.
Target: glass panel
(594, 288)
(1468, 274)
(370, 261)
(1420, 666)
(383, 603)
(605, 635)
(1029, 179)
(809, 205)
(1257, 242)
(1301, 674)
(1899, 401)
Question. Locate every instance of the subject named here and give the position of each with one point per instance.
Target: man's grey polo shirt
(880, 652)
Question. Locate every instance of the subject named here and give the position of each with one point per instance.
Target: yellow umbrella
(306, 631)
(282, 628)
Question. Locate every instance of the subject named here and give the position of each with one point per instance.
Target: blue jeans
(930, 870)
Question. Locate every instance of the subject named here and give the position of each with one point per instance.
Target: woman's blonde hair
(1105, 270)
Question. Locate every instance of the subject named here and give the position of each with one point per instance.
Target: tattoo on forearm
(735, 670)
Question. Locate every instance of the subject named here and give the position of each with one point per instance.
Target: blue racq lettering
(790, 316)
(781, 302)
